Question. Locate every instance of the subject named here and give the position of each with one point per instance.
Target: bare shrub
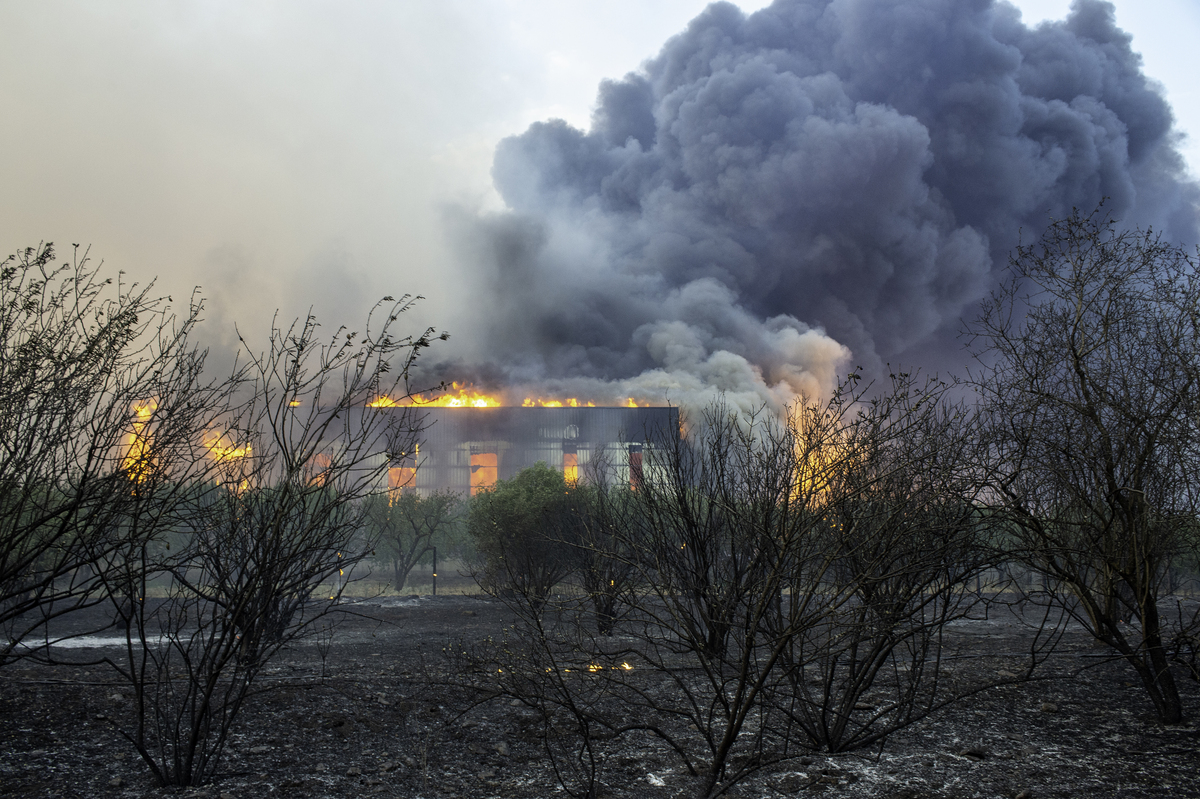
(791, 581)
(903, 531)
(1088, 374)
(258, 551)
(89, 368)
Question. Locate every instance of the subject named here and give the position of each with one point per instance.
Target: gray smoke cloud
(823, 183)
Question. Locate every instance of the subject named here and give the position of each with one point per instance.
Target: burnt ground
(370, 726)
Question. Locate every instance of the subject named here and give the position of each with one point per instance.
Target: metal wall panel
(521, 437)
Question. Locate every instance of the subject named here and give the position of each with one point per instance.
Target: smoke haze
(765, 195)
(776, 197)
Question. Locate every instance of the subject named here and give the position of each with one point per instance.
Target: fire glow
(220, 452)
(231, 461)
(459, 396)
(138, 461)
(531, 402)
(462, 395)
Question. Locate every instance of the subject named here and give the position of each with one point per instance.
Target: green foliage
(522, 529)
(407, 527)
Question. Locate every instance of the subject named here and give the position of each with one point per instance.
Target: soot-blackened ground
(371, 726)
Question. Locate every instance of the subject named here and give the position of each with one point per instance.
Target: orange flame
(221, 453)
(463, 395)
(138, 460)
(460, 396)
(823, 450)
(229, 458)
(570, 402)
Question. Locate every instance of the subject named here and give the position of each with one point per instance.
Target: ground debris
(331, 737)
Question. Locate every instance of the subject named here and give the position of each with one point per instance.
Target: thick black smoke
(821, 173)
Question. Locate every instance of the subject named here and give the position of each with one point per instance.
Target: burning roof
(461, 395)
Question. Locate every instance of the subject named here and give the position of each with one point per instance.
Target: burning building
(468, 448)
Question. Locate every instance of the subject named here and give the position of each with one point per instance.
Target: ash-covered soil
(354, 718)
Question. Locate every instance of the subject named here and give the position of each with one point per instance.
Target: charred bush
(1089, 366)
(260, 543)
(784, 586)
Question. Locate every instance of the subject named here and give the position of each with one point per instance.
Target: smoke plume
(824, 183)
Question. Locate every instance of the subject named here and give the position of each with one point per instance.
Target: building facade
(469, 449)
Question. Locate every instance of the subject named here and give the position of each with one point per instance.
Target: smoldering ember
(679, 523)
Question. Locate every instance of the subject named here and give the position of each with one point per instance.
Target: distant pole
(435, 571)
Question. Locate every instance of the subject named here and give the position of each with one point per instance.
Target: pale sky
(282, 154)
